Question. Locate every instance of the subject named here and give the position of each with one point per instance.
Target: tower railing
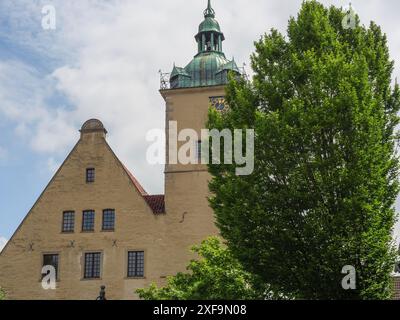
(164, 80)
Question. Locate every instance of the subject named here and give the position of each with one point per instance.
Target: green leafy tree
(215, 276)
(2, 294)
(325, 180)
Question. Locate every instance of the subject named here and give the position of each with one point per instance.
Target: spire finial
(209, 12)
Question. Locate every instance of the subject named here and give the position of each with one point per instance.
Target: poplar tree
(324, 109)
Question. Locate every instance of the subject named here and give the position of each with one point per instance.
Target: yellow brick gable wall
(165, 238)
(136, 228)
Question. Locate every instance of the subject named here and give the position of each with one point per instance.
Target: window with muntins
(88, 220)
(92, 265)
(68, 223)
(135, 264)
(51, 260)
(108, 220)
(90, 175)
(198, 151)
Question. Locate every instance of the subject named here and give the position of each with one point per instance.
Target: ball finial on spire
(209, 12)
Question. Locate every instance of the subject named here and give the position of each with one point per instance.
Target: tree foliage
(215, 276)
(2, 294)
(325, 181)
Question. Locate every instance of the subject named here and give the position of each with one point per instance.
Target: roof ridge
(155, 202)
(135, 182)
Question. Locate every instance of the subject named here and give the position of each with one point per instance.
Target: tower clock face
(218, 103)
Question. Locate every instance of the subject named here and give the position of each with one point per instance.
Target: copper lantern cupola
(209, 67)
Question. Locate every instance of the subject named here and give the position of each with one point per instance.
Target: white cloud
(105, 55)
(23, 94)
(108, 54)
(112, 51)
(3, 242)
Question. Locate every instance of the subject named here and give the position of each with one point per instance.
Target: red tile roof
(396, 288)
(136, 183)
(156, 203)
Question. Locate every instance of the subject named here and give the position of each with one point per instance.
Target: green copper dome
(209, 66)
(203, 69)
(209, 24)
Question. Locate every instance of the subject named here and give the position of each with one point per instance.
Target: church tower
(190, 93)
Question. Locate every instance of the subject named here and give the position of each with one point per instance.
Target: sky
(102, 61)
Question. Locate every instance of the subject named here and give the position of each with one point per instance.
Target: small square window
(135, 264)
(108, 220)
(51, 260)
(88, 220)
(90, 175)
(92, 265)
(68, 221)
